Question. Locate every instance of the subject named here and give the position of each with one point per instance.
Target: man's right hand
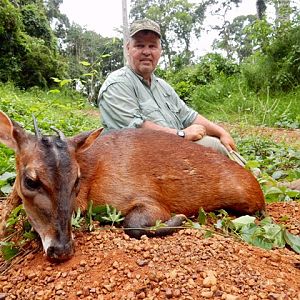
(195, 132)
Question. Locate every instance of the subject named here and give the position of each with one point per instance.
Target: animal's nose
(60, 252)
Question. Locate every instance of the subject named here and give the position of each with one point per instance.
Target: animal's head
(48, 180)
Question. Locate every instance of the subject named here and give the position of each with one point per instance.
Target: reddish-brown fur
(145, 174)
(143, 167)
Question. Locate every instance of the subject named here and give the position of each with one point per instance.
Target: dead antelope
(145, 175)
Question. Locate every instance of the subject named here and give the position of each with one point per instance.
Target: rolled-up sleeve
(119, 107)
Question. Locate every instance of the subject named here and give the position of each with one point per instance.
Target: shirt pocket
(175, 112)
(151, 111)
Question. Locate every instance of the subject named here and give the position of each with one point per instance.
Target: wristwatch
(181, 133)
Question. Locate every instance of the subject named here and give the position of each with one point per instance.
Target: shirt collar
(153, 77)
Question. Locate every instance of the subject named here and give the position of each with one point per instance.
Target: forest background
(54, 69)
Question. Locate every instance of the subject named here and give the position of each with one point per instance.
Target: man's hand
(195, 132)
(228, 141)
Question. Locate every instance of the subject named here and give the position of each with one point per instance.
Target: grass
(228, 100)
(67, 111)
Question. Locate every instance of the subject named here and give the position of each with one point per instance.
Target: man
(134, 97)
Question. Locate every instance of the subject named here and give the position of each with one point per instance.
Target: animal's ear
(85, 140)
(11, 134)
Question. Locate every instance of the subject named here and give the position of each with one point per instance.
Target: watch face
(181, 133)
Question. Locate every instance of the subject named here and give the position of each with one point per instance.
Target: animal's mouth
(60, 253)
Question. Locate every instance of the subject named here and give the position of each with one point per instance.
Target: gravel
(110, 265)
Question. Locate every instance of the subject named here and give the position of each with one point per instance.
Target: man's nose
(146, 51)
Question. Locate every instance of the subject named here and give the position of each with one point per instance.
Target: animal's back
(128, 167)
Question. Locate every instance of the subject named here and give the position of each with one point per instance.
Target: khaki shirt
(125, 100)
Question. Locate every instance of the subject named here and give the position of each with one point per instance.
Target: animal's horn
(60, 133)
(36, 128)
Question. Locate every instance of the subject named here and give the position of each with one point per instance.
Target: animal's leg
(12, 201)
(142, 216)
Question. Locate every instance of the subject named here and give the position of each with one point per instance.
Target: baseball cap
(144, 24)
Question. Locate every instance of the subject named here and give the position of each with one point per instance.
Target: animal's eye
(31, 184)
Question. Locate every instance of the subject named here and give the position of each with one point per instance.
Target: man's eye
(31, 184)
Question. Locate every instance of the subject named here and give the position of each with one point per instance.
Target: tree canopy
(39, 46)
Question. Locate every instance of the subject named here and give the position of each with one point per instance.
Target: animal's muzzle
(60, 252)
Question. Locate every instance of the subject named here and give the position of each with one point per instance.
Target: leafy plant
(265, 234)
(20, 231)
(77, 219)
(6, 182)
(103, 214)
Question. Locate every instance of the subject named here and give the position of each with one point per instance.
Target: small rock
(207, 294)
(86, 291)
(169, 293)
(273, 296)
(2, 296)
(209, 281)
(230, 297)
(82, 263)
(115, 265)
(142, 262)
(31, 275)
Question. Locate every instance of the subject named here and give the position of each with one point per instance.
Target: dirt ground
(109, 265)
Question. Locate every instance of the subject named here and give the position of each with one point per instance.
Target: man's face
(144, 50)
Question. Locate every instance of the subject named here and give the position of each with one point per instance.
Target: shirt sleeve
(119, 107)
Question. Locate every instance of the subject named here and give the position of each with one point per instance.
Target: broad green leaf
(278, 174)
(273, 190)
(6, 189)
(7, 175)
(266, 220)
(292, 240)
(248, 231)
(99, 209)
(274, 233)
(64, 82)
(8, 250)
(30, 235)
(292, 193)
(262, 242)
(253, 164)
(242, 221)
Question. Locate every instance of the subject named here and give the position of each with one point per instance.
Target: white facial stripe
(46, 240)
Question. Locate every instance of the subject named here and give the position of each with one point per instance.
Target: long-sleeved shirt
(125, 100)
